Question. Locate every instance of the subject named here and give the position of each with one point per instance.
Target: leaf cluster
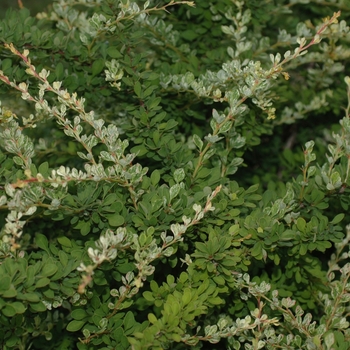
(135, 209)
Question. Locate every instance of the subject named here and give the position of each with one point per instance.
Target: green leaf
(337, 219)
(31, 297)
(257, 250)
(323, 245)
(68, 290)
(49, 269)
(6, 64)
(148, 91)
(322, 205)
(138, 89)
(148, 296)
(129, 321)
(74, 326)
(113, 52)
(288, 235)
(79, 314)
(19, 307)
(8, 310)
(42, 242)
(5, 283)
(59, 71)
(126, 267)
(301, 224)
(19, 161)
(138, 34)
(189, 34)
(44, 169)
(252, 189)
(10, 293)
(170, 124)
(98, 66)
(13, 341)
(63, 258)
(64, 241)
(152, 318)
(42, 282)
(50, 294)
(219, 280)
(215, 301)
(303, 249)
(153, 102)
(140, 150)
(84, 226)
(187, 296)
(198, 142)
(115, 220)
(110, 199)
(155, 177)
(38, 307)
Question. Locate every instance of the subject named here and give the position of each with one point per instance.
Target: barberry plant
(160, 186)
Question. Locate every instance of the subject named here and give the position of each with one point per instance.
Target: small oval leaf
(74, 325)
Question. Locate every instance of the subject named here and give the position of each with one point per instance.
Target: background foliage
(175, 176)
(33, 5)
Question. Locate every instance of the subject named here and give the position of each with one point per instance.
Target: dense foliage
(175, 175)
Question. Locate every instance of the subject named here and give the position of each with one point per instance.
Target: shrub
(149, 199)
